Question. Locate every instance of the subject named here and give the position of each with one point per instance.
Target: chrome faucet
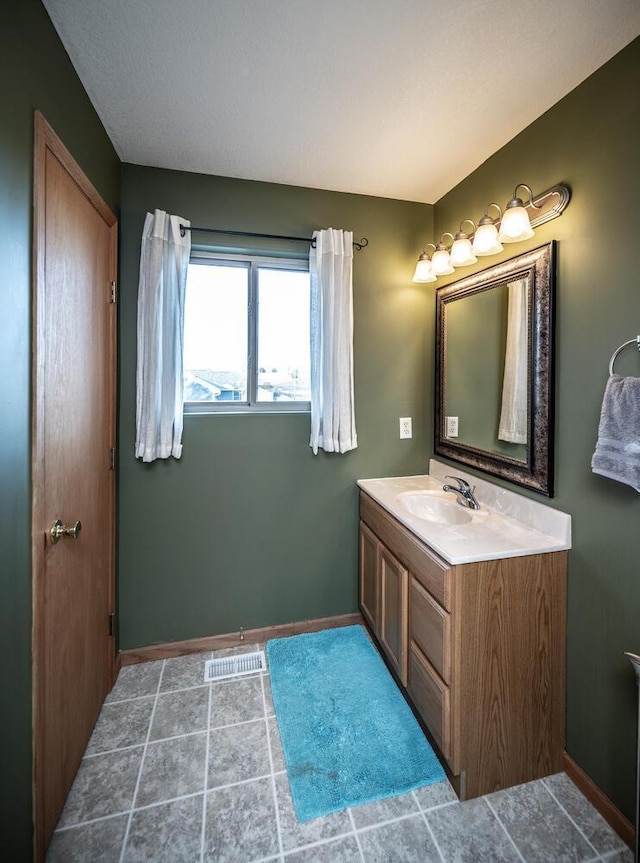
(464, 492)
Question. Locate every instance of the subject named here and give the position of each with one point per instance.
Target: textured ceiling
(396, 98)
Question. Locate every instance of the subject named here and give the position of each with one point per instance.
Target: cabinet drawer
(430, 629)
(431, 696)
(431, 571)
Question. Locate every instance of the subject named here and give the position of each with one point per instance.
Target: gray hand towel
(617, 453)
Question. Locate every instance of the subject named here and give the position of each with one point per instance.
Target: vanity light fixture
(423, 271)
(441, 259)
(461, 251)
(513, 225)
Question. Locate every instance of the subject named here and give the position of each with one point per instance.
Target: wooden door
(394, 591)
(73, 480)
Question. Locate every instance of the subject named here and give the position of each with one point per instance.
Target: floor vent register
(234, 666)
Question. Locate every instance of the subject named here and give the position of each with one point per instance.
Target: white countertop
(506, 525)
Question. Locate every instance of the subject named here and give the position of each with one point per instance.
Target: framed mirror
(494, 370)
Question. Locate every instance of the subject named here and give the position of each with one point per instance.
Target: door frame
(45, 139)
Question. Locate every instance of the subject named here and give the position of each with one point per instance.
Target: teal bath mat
(348, 735)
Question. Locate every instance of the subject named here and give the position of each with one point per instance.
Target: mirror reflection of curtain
(513, 417)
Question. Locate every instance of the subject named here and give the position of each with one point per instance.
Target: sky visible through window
(215, 319)
(216, 333)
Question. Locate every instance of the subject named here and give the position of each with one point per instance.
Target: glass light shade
(515, 225)
(461, 253)
(441, 263)
(423, 271)
(485, 241)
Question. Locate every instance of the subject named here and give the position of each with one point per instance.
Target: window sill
(195, 409)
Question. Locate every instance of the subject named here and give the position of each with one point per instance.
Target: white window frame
(252, 263)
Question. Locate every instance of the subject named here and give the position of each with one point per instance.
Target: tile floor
(181, 772)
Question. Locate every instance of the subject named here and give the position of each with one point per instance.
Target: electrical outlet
(452, 426)
(405, 427)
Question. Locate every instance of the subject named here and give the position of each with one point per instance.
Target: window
(246, 335)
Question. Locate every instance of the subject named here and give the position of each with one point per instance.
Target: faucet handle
(462, 483)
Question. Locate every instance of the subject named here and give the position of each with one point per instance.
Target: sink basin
(438, 507)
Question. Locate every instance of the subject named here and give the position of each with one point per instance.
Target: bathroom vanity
(469, 611)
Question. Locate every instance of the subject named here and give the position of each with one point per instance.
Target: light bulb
(461, 253)
(441, 261)
(485, 241)
(423, 270)
(515, 225)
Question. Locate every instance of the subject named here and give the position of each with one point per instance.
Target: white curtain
(513, 418)
(333, 423)
(164, 258)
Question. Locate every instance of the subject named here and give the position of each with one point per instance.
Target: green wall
(249, 528)
(588, 140)
(35, 73)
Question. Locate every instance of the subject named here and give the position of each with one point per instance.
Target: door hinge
(112, 458)
(112, 292)
(111, 625)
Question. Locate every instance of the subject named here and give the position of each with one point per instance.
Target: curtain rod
(184, 228)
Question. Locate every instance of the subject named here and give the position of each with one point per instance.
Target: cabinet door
(369, 577)
(394, 591)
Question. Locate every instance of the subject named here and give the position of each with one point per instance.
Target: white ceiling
(396, 98)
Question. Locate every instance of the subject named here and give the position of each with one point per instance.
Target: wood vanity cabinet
(478, 649)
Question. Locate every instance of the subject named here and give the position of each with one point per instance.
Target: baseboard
(217, 642)
(599, 799)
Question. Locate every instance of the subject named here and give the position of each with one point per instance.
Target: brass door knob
(58, 530)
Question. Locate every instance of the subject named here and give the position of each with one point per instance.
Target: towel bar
(614, 356)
